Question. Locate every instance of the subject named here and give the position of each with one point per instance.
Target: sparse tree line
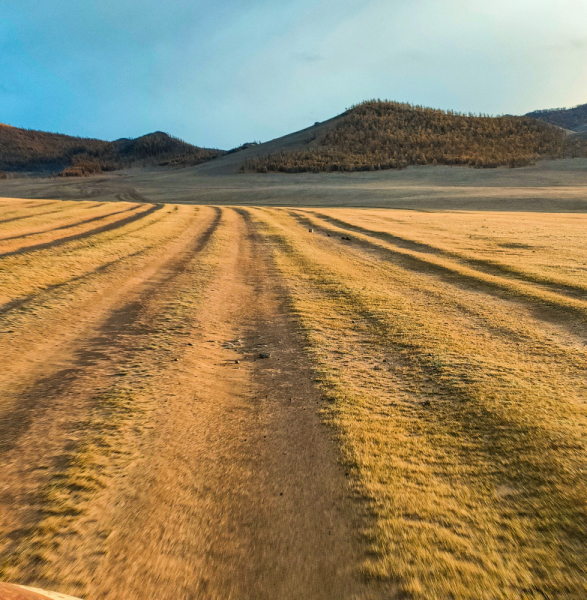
(380, 135)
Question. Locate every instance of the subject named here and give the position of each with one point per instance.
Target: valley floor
(238, 402)
(548, 186)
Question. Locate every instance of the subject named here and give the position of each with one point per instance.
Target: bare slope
(232, 162)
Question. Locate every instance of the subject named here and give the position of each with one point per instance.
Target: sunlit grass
(538, 247)
(450, 349)
(460, 414)
(124, 393)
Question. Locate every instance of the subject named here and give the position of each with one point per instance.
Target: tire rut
(239, 494)
(31, 216)
(561, 307)
(15, 423)
(85, 234)
(24, 300)
(485, 266)
(71, 225)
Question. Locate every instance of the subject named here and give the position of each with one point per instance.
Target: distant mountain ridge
(25, 150)
(573, 119)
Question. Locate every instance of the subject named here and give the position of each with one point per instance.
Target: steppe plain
(369, 385)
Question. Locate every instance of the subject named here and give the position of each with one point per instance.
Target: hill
(371, 136)
(378, 135)
(24, 150)
(573, 119)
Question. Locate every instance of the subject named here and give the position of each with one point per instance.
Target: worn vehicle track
(71, 225)
(235, 489)
(86, 234)
(260, 507)
(61, 395)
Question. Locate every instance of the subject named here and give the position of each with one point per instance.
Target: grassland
(452, 348)
(549, 186)
(418, 431)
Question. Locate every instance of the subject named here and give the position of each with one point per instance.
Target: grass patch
(459, 421)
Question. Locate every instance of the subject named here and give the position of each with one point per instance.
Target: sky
(224, 72)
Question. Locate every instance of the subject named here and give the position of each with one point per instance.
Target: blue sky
(225, 72)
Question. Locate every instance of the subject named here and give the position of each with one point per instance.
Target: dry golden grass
(42, 290)
(71, 262)
(458, 394)
(450, 348)
(537, 248)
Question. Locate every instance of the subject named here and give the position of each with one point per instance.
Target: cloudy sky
(220, 73)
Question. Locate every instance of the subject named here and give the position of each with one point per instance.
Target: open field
(418, 429)
(548, 186)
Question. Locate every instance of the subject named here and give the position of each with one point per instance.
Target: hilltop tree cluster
(388, 135)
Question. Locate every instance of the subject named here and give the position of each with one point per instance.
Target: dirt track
(214, 479)
(167, 373)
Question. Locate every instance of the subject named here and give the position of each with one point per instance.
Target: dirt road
(238, 402)
(160, 432)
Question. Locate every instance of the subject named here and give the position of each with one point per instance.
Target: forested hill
(24, 150)
(573, 119)
(388, 135)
